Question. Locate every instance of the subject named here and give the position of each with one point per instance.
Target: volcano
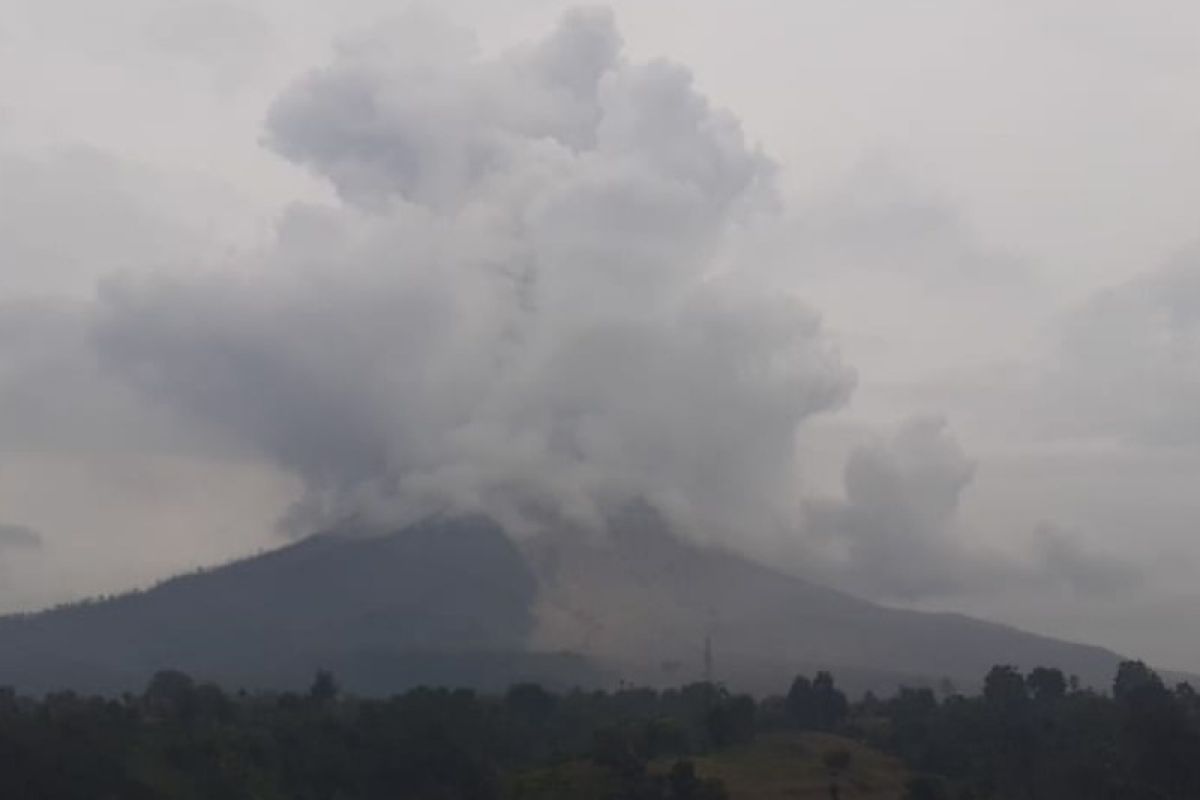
(458, 602)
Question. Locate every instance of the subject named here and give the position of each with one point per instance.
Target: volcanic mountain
(456, 601)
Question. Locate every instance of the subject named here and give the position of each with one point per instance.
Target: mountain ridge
(668, 597)
(457, 601)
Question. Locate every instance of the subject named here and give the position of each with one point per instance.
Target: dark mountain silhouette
(439, 602)
(456, 602)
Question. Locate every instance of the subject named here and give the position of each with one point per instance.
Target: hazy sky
(268, 258)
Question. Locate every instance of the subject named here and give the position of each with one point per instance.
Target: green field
(793, 767)
(781, 766)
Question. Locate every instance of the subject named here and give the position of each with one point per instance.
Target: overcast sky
(248, 272)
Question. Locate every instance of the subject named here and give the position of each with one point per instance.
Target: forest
(1025, 735)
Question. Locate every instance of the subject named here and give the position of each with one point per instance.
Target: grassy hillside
(796, 767)
(578, 780)
(778, 766)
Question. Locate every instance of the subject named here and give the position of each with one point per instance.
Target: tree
(1005, 688)
(800, 701)
(210, 703)
(1135, 681)
(169, 694)
(1046, 684)
(1161, 745)
(816, 704)
(324, 688)
(530, 701)
(830, 701)
(730, 721)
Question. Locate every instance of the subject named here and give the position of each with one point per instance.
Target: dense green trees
(816, 704)
(1026, 736)
(185, 739)
(1033, 736)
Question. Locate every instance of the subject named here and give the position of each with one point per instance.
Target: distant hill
(456, 602)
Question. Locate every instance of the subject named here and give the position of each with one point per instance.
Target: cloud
(230, 40)
(896, 533)
(19, 537)
(1127, 364)
(921, 303)
(531, 294)
(208, 30)
(56, 396)
(521, 306)
(880, 220)
(893, 535)
(1081, 570)
(72, 214)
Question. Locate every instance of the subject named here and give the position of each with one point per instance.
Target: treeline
(183, 739)
(1026, 736)
(1039, 735)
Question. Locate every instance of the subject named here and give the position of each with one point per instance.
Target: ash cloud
(19, 537)
(893, 534)
(533, 298)
(896, 533)
(523, 305)
(1081, 570)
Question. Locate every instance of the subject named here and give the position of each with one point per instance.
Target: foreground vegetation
(1026, 736)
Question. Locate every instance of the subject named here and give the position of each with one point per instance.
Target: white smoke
(523, 305)
(896, 533)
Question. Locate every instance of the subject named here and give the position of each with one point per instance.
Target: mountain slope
(650, 602)
(456, 602)
(437, 599)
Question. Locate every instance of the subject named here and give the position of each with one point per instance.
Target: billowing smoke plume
(896, 535)
(1082, 570)
(893, 534)
(523, 304)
